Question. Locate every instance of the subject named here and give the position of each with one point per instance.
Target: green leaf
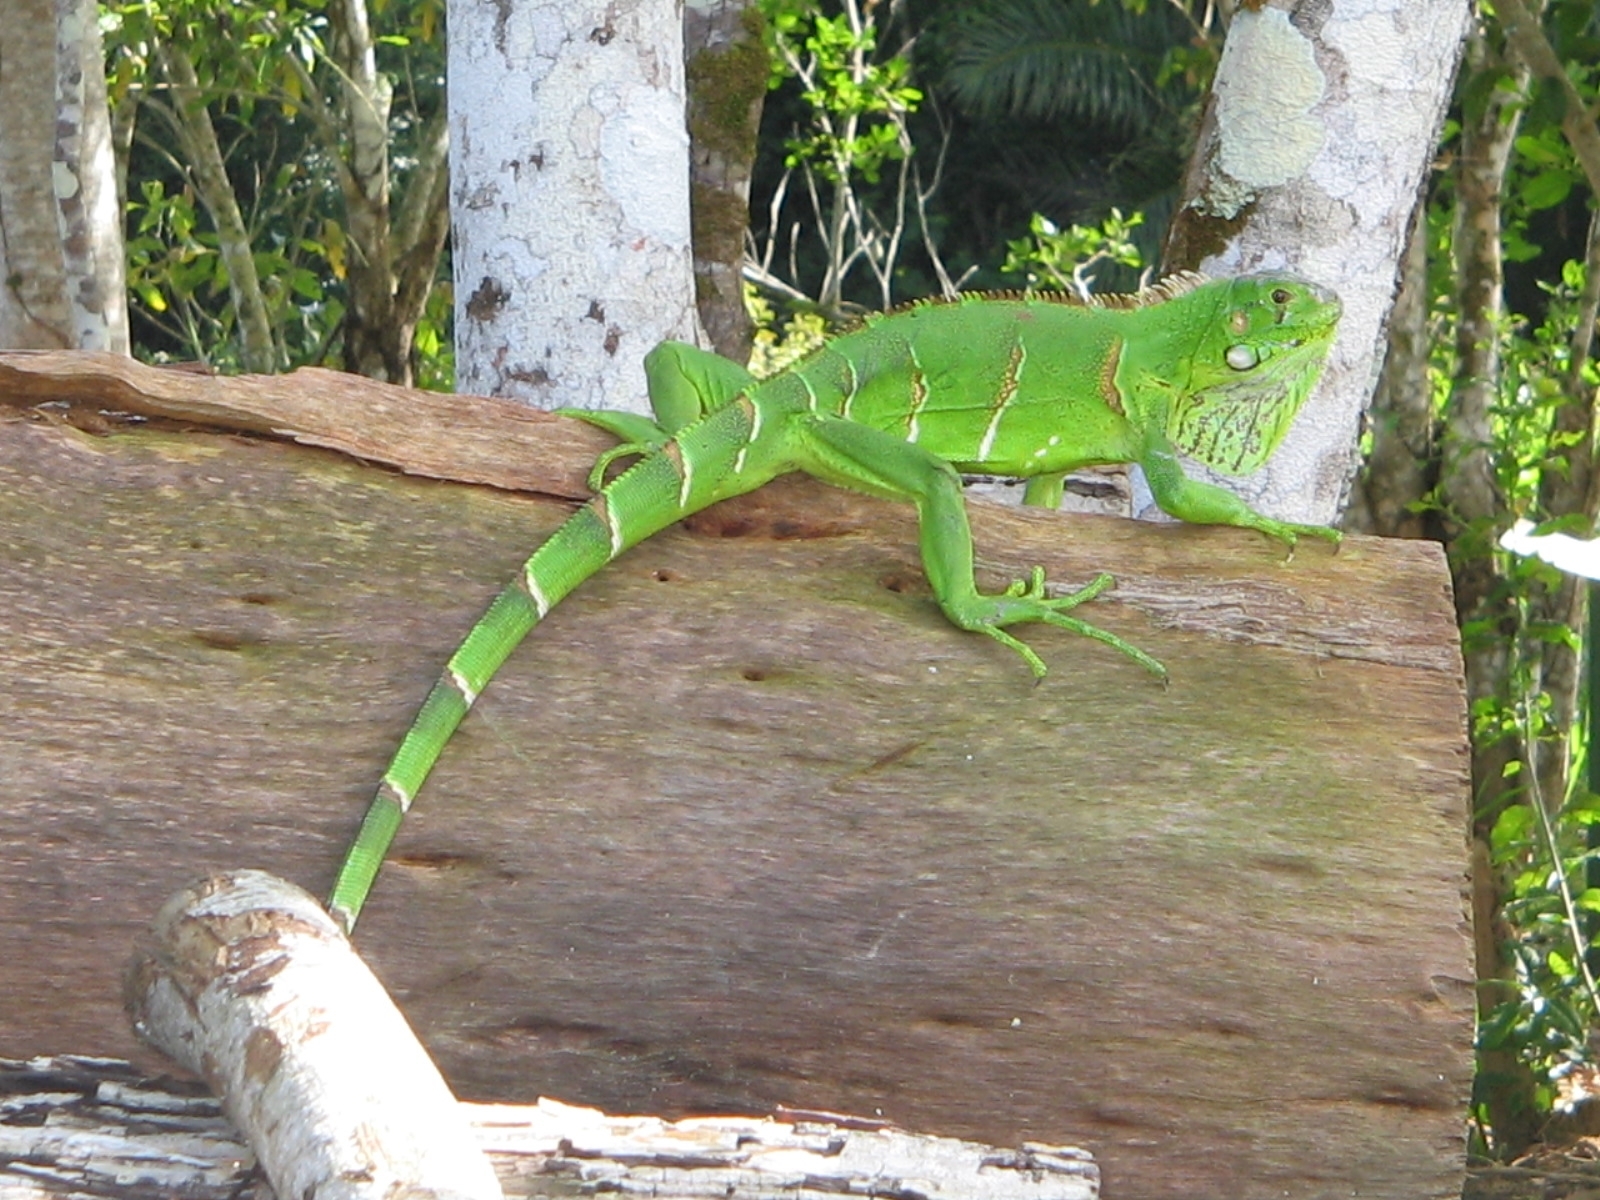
(1539, 151)
(1511, 827)
(306, 284)
(1546, 189)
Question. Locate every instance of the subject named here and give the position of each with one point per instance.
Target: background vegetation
(914, 148)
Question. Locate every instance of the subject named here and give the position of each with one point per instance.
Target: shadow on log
(746, 822)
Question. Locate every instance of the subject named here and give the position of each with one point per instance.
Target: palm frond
(1063, 58)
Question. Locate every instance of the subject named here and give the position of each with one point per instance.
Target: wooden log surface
(746, 823)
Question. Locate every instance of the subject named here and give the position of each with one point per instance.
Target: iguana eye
(1281, 295)
(1241, 357)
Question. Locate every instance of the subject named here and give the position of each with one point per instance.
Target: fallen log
(747, 823)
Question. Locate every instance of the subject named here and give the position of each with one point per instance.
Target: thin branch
(1557, 867)
(1527, 41)
(1588, 310)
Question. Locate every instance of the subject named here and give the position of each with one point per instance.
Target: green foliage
(854, 103)
(1546, 861)
(1539, 844)
(855, 96)
(1065, 109)
(180, 286)
(1101, 63)
(780, 342)
(904, 154)
(1061, 259)
(253, 61)
(434, 342)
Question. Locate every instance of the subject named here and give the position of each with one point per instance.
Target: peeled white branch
(97, 1126)
(249, 984)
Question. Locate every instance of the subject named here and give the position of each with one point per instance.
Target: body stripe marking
(850, 392)
(530, 584)
(753, 415)
(1108, 378)
(919, 395)
(1009, 382)
(673, 453)
(468, 692)
(613, 527)
(395, 794)
(811, 392)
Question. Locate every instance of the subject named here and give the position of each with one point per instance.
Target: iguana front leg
(865, 459)
(1206, 504)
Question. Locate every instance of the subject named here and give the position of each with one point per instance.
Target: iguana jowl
(1030, 386)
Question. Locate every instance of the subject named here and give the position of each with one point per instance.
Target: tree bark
(1402, 466)
(92, 1124)
(569, 155)
(60, 222)
(1312, 155)
(727, 74)
(190, 119)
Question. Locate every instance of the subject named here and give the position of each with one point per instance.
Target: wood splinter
(248, 983)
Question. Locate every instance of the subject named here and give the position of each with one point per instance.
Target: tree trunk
(190, 119)
(1311, 157)
(60, 223)
(373, 345)
(727, 73)
(570, 197)
(1473, 505)
(1401, 467)
(393, 257)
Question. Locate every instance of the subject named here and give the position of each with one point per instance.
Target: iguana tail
(705, 463)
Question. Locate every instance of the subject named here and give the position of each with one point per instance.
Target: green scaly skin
(1028, 386)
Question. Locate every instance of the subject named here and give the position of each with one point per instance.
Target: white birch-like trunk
(1317, 137)
(570, 196)
(61, 250)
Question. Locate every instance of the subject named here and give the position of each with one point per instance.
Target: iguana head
(1254, 363)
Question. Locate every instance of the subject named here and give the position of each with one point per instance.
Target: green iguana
(1023, 385)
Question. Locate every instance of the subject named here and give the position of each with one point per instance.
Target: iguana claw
(1025, 600)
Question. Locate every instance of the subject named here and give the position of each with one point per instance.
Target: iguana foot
(1026, 601)
(639, 436)
(1290, 533)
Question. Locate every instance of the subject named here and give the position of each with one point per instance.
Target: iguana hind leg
(866, 459)
(1045, 491)
(685, 384)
